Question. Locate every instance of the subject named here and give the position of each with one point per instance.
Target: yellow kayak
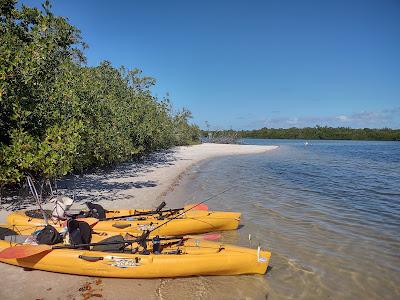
(185, 257)
(191, 222)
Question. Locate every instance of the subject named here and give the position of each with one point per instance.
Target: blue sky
(250, 64)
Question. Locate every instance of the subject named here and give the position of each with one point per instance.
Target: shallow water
(329, 212)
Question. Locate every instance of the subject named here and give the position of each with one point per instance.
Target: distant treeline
(309, 133)
(58, 115)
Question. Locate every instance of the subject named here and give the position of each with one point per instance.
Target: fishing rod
(36, 196)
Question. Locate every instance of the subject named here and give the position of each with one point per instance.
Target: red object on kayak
(201, 207)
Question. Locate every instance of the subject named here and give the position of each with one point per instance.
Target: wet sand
(140, 184)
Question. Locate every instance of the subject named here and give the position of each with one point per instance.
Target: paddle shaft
(128, 242)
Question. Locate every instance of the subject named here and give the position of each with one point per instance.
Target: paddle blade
(23, 251)
(197, 206)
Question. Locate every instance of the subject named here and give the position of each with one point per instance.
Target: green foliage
(185, 134)
(315, 133)
(58, 115)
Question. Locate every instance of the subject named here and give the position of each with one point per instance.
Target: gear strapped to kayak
(80, 232)
(188, 220)
(96, 210)
(49, 236)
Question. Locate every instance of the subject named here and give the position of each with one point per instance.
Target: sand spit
(140, 184)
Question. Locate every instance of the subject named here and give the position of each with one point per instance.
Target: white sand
(147, 186)
(129, 185)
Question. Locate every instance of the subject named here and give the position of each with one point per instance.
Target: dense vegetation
(57, 115)
(311, 133)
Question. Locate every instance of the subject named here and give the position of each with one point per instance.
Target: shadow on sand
(99, 184)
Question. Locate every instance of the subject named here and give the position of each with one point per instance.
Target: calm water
(329, 212)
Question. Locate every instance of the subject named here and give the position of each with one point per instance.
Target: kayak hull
(198, 257)
(192, 222)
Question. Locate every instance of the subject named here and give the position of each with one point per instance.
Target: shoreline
(164, 177)
(135, 184)
(142, 184)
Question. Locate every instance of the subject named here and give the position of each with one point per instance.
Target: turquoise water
(329, 212)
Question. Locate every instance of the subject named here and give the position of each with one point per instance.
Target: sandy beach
(139, 184)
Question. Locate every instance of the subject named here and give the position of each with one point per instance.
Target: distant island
(307, 133)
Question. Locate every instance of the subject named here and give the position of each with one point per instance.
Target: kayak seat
(116, 248)
(79, 233)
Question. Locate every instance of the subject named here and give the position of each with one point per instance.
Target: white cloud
(378, 119)
(343, 118)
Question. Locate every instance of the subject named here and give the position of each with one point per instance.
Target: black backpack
(79, 233)
(49, 236)
(96, 210)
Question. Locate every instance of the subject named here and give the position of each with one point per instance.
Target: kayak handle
(91, 258)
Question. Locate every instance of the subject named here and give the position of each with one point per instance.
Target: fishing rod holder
(259, 257)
